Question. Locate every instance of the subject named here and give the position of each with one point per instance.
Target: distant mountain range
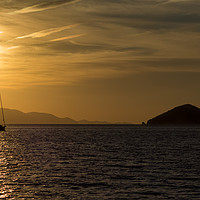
(18, 117)
(185, 115)
(181, 115)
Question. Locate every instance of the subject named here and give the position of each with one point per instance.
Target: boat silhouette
(3, 126)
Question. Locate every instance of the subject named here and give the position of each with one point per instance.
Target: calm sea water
(99, 162)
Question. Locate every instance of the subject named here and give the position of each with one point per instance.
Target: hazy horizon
(116, 61)
(10, 113)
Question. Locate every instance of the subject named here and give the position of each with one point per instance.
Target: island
(184, 115)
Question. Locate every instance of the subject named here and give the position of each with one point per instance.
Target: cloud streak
(67, 37)
(115, 30)
(47, 32)
(45, 6)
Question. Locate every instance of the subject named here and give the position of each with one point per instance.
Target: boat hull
(2, 128)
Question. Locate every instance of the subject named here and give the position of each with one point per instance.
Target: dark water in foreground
(99, 162)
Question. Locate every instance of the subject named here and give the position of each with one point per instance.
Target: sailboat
(3, 126)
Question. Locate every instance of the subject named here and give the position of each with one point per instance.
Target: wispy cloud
(47, 32)
(45, 5)
(12, 47)
(67, 37)
(174, 1)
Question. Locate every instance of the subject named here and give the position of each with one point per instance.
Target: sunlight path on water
(99, 162)
(5, 189)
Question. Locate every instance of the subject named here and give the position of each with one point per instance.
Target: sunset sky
(113, 60)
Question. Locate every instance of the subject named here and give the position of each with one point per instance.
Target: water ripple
(99, 162)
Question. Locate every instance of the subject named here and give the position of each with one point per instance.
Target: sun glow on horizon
(99, 60)
(2, 50)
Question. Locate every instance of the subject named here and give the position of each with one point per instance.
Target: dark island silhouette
(184, 115)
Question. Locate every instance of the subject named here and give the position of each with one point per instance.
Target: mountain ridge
(14, 116)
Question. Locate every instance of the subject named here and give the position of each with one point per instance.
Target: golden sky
(113, 60)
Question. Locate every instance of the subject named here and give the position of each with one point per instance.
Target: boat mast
(4, 123)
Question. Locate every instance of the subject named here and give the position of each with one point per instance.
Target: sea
(99, 162)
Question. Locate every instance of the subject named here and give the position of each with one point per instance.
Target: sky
(110, 60)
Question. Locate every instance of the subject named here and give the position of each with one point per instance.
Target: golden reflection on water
(94, 162)
(5, 176)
